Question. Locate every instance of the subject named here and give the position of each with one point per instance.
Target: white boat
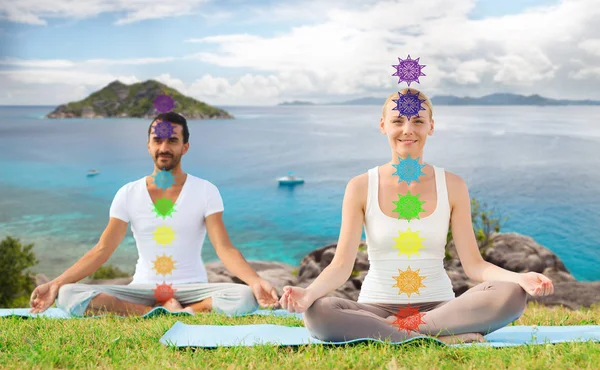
(93, 172)
(290, 179)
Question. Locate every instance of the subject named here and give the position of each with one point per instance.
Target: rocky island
(119, 100)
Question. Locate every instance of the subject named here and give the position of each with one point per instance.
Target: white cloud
(348, 49)
(37, 63)
(63, 77)
(352, 51)
(586, 73)
(37, 11)
(592, 46)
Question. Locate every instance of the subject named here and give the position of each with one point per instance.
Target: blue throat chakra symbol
(408, 105)
(164, 129)
(164, 103)
(408, 70)
(163, 179)
(408, 169)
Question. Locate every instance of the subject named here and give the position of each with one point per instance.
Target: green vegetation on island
(136, 100)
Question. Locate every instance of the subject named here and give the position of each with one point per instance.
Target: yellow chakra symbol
(164, 265)
(409, 281)
(164, 235)
(408, 243)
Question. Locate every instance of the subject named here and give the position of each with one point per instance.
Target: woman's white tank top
(406, 257)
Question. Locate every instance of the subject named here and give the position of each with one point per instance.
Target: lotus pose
(170, 214)
(407, 208)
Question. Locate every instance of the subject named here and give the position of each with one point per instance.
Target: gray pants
(482, 309)
(228, 298)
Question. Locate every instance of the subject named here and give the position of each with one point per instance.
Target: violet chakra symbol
(164, 103)
(408, 105)
(408, 70)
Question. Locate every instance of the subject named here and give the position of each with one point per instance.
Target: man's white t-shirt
(169, 249)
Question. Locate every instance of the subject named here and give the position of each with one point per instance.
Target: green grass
(112, 342)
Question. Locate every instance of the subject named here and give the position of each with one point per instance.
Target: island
(492, 99)
(135, 101)
(297, 102)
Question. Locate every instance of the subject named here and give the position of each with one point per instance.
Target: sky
(233, 52)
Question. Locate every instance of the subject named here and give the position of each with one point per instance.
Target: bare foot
(189, 310)
(173, 305)
(462, 338)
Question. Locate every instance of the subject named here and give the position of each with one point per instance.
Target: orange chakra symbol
(164, 265)
(163, 292)
(409, 318)
(409, 281)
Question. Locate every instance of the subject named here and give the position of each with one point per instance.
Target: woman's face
(406, 136)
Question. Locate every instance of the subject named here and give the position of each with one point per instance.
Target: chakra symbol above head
(408, 104)
(408, 70)
(408, 169)
(164, 129)
(164, 103)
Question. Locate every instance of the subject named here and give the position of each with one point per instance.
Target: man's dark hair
(174, 118)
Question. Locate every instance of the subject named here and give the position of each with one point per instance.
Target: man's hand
(265, 294)
(43, 296)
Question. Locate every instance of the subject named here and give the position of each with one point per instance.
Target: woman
(406, 207)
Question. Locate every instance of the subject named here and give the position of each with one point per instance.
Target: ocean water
(537, 166)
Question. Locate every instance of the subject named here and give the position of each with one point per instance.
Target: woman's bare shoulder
(456, 186)
(357, 189)
(359, 183)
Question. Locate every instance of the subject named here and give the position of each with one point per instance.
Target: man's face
(166, 153)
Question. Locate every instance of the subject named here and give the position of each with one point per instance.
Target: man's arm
(44, 295)
(109, 241)
(231, 257)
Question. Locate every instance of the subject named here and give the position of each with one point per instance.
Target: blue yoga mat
(57, 313)
(211, 336)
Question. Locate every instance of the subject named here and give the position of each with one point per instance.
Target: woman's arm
(340, 268)
(474, 265)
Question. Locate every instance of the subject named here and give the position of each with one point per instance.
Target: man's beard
(169, 163)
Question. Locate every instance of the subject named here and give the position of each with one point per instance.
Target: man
(170, 214)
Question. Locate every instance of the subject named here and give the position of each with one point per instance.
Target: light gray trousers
(483, 309)
(228, 298)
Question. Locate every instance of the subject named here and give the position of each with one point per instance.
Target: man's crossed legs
(138, 299)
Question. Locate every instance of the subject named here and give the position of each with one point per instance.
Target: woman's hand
(295, 299)
(536, 284)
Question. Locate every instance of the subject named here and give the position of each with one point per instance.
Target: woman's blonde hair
(412, 92)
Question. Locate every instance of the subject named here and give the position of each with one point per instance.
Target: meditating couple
(405, 205)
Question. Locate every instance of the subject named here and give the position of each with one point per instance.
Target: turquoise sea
(538, 166)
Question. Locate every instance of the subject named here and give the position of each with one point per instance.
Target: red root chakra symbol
(163, 292)
(409, 318)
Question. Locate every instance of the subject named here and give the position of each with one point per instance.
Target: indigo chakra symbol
(164, 129)
(408, 70)
(408, 104)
